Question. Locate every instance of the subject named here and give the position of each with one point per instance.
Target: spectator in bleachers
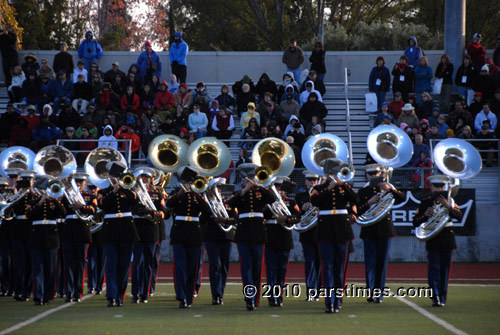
(94, 116)
(91, 128)
(80, 70)
(296, 151)
(442, 126)
(298, 134)
(183, 96)
(97, 84)
(200, 91)
(264, 132)
(388, 120)
(425, 106)
(45, 89)
(113, 116)
(477, 104)
(32, 119)
(94, 70)
(30, 64)
(423, 77)
(45, 133)
(150, 116)
(290, 93)
(424, 127)
(7, 121)
(413, 52)
(484, 84)
(62, 90)
(465, 75)
(63, 61)
(418, 147)
(32, 91)
(49, 112)
(244, 98)
(293, 57)
(180, 117)
(130, 100)
(379, 80)
(82, 94)
(265, 85)
(423, 161)
(85, 145)
(130, 118)
(379, 119)
(164, 101)
(169, 126)
(204, 107)
(317, 60)
(134, 81)
(313, 107)
(8, 50)
(45, 68)
(223, 124)
(495, 102)
(466, 133)
(238, 85)
(311, 127)
(106, 96)
(147, 99)
(304, 96)
(149, 63)
(69, 134)
(444, 71)
(21, 133)
(89, 50)
(459, 112)
(149, 134)
(129, 134)
(433, 119)
(288, 79)
(274, 114)
(15, 90)
(485, 116)
(212, 112)
(178, 57)
(224, 98)
(248, 115)
(291, 126)
(274, 128)
(251, 132)
(262, 106)
(110, 75)
(396, 105)
(118, 84)
(173, 84)
(198, 121)
(183, 134)
(242, 159)
(408, 116)
(289, 105)
(191, 138)
(318, 83)
(403, 79)
(412, 100)
(68, 117)
(450, 133)
(476, 51)
(486, 133)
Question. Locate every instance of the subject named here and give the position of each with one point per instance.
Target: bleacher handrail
(127, 152)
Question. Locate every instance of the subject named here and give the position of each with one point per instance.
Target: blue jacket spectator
(178, 57)
(419, 147)
(149, 63)
(62, 90)
(46, 133)
(379, 80)
(90, 50)
(198, 122)
(413, 52)
(423, 77)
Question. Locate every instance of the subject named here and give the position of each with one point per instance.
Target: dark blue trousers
(218, 258)
(44, 273)
(186, 261)
(117, 268)
(376, 259)
(333, 255)
(60, 282)
(156, 265)
(95, 267)
(276, 265)
(439, 273)
(312, 264)
(199, 275)
(74, 265)
(6, 265)
(251, 258)
(22, 268)
(142, 269)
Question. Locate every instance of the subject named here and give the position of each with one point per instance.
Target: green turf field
(471, 309)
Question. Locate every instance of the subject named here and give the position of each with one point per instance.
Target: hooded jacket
(108, 141)
(413, 52)
(183, 99)
(90, 49)
(178, 51)
(304, 96)
(142, 62)
(164, 99)
(290, 127)
(268, 86)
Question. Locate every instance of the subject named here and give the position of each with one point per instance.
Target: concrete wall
(228, 67)
(483, 247)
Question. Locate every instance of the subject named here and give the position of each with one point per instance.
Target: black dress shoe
(370, 299)
(68, 299)
(38, 302)
(111, 303)
(135, 299)
(45, 302)
(436, 302)
(329, 308)
(250, 305)
(119, 303)
(220, 301)
(183, 304)
(215, 301)
(76, 300)
(143, 300)
(377, 301)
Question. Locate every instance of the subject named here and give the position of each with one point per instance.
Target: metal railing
(127, 152)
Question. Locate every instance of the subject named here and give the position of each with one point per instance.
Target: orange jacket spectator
(183, 96)
(164, 99)
(127, 133)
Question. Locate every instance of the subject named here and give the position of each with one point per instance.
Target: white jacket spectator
(108, 140)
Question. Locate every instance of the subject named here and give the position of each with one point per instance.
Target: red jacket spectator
(130, 99)
(395, 108)
(164, 99)
(32, 119)
(127, 133)
(476, 52)
(21, 134)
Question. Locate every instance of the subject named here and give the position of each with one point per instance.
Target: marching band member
(119, 234)
(334, 230)
(251, 232)
(218, 246)
(186, 236)
(75, 239)
(95, 254)
(21, 235)
(309, 240)
(439, 248)
(278, 245)
(149, 234)
(377, 237)
(44, 244)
